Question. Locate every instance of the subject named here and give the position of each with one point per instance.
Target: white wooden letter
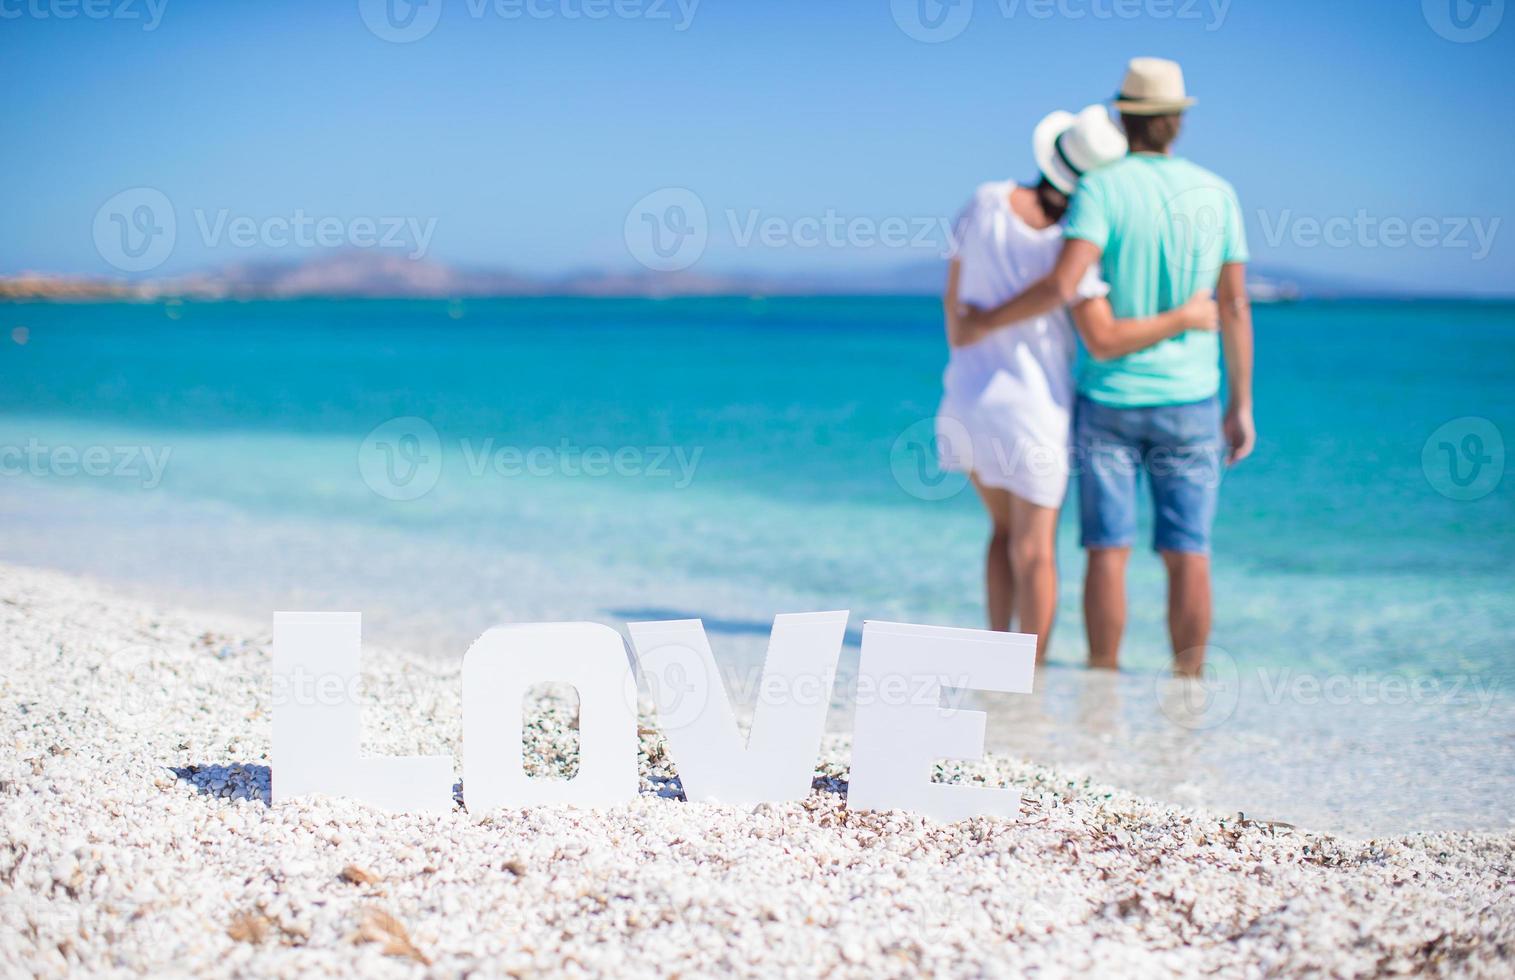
(498, 670)
(901, 727)
(318, 722)
(776, 761)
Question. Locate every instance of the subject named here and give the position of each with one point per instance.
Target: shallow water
(730, 459)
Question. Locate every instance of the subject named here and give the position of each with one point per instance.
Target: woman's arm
(949, 303)
(1108, 338)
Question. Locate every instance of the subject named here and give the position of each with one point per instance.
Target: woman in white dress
(1008, 394)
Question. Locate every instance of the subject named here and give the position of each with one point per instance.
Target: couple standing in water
(1142, 255)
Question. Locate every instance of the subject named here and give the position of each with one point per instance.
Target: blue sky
(522, 133)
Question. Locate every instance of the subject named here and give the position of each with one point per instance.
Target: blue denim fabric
(1181, 450)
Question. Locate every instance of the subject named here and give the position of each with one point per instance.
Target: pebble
(138, 838)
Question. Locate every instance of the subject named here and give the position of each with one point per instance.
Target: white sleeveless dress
(1008, 400)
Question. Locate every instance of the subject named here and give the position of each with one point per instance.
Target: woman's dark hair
(1053, 201)
(1154, 134)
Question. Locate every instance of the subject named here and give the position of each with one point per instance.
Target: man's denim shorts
(1181, 450)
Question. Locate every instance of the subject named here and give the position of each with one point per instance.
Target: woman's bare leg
(999, 580)
(1033, 563)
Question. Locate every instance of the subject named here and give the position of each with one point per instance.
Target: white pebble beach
(138, 838)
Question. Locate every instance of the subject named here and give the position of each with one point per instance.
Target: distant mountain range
(380, 275)
(351, 274)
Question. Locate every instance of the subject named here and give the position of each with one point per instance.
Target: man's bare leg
(1189, 604)
(999, 579)
(1105, 605)
(1033, 559)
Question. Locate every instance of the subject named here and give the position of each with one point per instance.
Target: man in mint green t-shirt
(1161, 229)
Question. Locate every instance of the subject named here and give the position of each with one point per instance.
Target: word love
(901, 728)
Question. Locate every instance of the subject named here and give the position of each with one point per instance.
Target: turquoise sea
(446, 466)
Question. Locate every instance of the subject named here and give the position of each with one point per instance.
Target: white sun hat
(1067, 146)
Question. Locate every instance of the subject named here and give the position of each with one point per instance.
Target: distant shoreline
(15, 293)
(350, 276)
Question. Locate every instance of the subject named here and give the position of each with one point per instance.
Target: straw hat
(1153, 87)
(1068, 146)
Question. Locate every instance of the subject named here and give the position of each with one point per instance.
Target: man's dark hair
(1053, 201)
(1152, 134)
